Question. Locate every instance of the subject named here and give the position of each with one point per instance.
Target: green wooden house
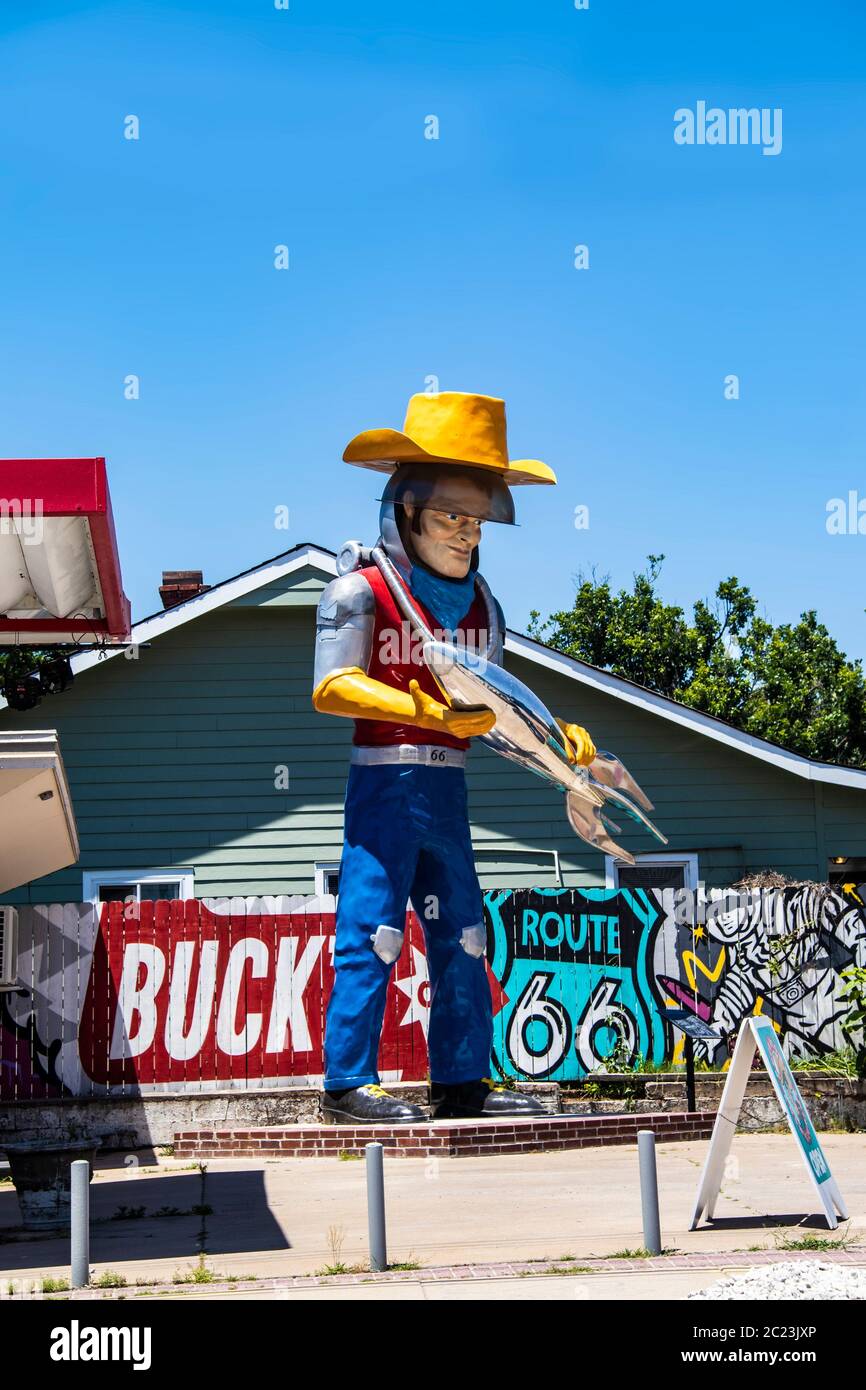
(198, 767)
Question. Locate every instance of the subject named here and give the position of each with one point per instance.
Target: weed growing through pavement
(842, 1242)
(199, 1273)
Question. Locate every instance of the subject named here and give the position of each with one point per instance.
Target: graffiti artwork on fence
(140, 998)
(779, 952)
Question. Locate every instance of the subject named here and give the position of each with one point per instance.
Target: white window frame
(94, 879)
(323, 867)
(687, 861)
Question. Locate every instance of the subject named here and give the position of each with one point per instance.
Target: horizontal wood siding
(172, 761)
(843, 823)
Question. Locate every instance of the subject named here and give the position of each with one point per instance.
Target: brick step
(450, 1138)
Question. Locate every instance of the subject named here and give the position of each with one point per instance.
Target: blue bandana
(448, 600)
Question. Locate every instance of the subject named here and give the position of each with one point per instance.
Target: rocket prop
(527, 733)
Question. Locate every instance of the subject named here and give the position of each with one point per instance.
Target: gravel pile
(810, 1279)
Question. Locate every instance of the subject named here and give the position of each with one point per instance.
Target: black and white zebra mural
(779, 952)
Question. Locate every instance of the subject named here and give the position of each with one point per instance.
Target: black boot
(473, 1099)
(368, 1105)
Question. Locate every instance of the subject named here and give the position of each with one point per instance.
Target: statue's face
(447, 538)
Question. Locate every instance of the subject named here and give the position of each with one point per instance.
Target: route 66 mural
(586, 974)
(575, 968)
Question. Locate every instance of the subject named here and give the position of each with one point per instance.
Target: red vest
(396, 660)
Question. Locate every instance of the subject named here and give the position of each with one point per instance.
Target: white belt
(426, 754)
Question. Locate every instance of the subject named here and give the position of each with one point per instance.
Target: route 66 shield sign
(575, 970)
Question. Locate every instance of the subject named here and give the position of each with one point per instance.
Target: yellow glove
(352, 692)
(578, 744)
(460, 723)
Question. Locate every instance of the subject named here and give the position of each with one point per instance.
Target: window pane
(117, 892)
(154, 892)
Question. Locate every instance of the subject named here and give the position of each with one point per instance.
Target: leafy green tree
(789, 684)
(16, 662)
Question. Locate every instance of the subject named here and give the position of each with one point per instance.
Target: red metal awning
(60, 576)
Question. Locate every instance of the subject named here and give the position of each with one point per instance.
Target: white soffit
(38, 835)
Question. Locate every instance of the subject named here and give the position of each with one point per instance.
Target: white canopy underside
(48, 568)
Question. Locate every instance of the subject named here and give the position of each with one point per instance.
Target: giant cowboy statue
(406, 824)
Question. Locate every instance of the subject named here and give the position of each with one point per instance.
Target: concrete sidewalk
(653, 1278)
(285, 1218)
(529, 1289)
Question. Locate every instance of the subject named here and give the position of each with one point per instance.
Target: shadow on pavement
(812, 1221)
(175, 1221)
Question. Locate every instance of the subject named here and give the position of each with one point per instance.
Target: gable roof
(270, 572)
(307, 555)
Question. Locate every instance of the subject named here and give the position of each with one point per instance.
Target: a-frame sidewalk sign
(759, 1032)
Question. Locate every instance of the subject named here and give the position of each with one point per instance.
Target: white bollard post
(376, 1207)
(80, 1222)
(649, 1191)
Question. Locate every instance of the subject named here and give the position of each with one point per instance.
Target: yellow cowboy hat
(449, 427)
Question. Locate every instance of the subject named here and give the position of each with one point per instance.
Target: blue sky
(453, 258)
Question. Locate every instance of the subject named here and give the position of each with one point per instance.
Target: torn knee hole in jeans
(474, 939)
(387, 944)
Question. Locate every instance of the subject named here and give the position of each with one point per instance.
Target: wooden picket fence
(135, 999)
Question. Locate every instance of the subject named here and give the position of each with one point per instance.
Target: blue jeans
(407, 834)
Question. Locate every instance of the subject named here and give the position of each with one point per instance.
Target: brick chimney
(178, 585)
